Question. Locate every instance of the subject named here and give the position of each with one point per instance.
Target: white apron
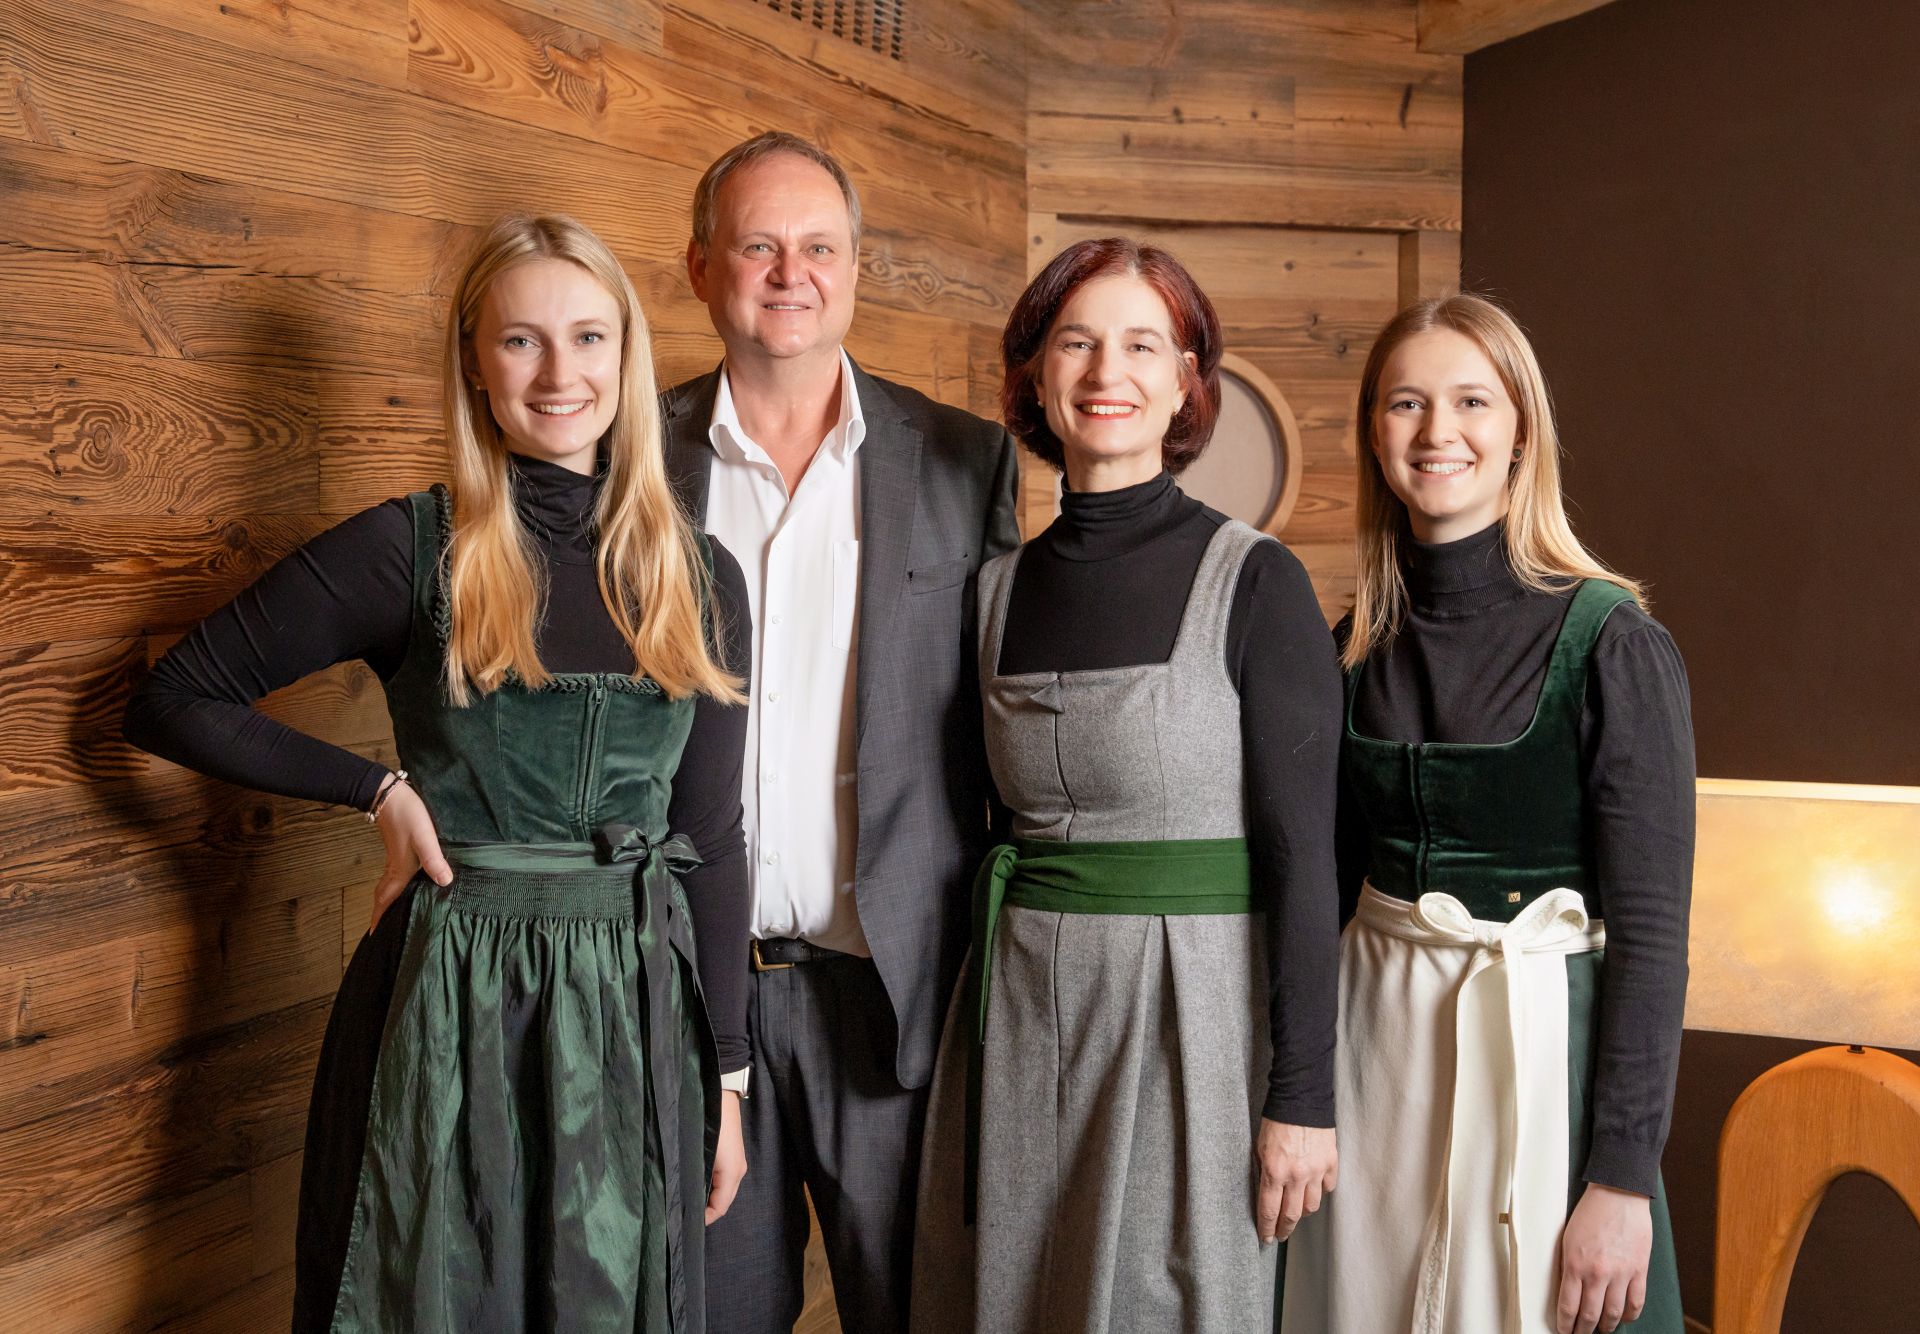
(1451, 1091)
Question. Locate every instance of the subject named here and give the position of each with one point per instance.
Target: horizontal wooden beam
(1461, 27)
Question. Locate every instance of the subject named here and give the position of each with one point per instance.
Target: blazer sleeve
(1003, 505)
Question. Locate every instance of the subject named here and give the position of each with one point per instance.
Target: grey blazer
(937, 488)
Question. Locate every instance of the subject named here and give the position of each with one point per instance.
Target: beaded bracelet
(386, 790)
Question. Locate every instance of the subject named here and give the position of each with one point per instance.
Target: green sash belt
(613, 845)
(1171, 878)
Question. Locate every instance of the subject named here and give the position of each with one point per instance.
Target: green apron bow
(666, 928)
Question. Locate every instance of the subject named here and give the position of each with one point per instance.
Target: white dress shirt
(801, 557)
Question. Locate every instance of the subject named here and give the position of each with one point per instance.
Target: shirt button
(773, 697)
(775, 619)
(772, 777)
(772, 859)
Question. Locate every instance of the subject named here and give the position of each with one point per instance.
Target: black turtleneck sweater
(1468, 667)
(349, 594)
(1105, 586)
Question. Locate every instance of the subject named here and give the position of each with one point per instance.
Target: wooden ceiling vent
(877, 25)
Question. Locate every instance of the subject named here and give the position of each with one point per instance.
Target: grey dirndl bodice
(1122, 753)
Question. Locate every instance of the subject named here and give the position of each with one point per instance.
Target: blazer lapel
(889, 482)
(687, 412)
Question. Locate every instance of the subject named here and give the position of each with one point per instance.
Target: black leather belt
(772, 955)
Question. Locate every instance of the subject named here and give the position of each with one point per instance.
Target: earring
(1516, 453)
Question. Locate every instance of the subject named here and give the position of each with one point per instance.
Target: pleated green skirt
(539, 1140)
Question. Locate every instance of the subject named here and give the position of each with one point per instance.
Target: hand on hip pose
(1603, 1261)
(1298, 1166)
(407, 830)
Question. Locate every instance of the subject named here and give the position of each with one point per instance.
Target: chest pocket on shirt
(846, 590)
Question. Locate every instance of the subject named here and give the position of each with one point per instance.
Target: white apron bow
(1510, 1080)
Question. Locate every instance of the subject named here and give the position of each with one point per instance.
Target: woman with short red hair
(1135, 1094)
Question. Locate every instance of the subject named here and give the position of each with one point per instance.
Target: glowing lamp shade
(1806, 912)
(1806, 924)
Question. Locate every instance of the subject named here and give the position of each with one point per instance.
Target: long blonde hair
(647, 558)
(1540, 546)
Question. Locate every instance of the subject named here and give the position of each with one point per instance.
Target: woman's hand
(1298, 1166)
(412, 846)
(1603, 1260)
(729, 1158)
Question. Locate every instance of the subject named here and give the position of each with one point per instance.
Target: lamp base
(1796, 1128)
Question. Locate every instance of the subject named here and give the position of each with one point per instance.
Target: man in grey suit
(860, 511)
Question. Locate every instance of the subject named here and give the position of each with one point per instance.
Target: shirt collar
(731, 442)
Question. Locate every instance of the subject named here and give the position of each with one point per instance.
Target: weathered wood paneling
(228, 232)
(1296, 113)
(1302, 157)
(229, 229)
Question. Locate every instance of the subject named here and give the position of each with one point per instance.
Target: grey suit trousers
(827, 1110)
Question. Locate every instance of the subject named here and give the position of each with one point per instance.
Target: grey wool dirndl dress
(1125, 1059)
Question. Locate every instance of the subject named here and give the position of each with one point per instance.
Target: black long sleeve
(705, 806)
(1290, 700)
(1105, 587)
(1638, 734)
(348, 595)
(1468, 666)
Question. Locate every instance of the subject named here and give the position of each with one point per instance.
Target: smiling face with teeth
(778, 274)
(1111, 378)
(546, 348)
(1444, 430)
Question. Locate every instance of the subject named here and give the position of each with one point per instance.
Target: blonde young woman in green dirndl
(516, 1122)
(1517, 797)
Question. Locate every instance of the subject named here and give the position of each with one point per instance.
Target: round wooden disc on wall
(1251, 470)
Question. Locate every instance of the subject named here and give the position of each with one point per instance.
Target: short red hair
(1196, 329)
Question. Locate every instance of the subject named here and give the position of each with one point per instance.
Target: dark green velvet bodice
(526, 766)
(1495, 826)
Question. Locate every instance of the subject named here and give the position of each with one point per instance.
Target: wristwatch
(736, 1082)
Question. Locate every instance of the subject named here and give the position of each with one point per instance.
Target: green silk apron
(545, 1105)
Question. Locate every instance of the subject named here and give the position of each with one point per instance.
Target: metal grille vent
(877, 25)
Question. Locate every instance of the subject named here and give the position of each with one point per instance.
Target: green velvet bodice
(526, 766)
(1495, 826)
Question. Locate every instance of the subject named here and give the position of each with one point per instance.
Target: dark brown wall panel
(1704, 211)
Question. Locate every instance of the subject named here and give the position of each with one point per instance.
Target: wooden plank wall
(226, 233)
(1301, 156)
